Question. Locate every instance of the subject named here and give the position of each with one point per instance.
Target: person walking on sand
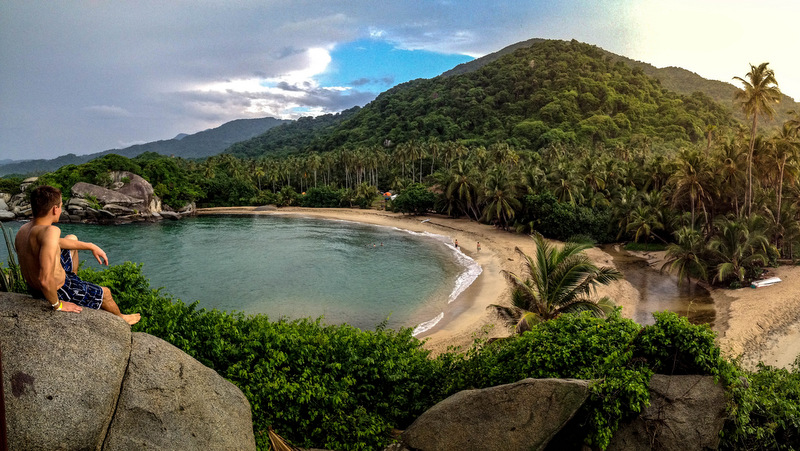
(479, 246)
(48, 262)
(456, 243)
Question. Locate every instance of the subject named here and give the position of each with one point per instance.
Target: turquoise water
(289, 267)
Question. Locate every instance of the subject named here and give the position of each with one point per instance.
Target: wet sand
(751, 323)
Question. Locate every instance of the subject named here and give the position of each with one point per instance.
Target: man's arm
(98, 253)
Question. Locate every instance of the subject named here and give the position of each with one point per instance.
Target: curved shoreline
(753, 324)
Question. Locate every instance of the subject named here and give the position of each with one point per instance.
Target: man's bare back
(29, 244)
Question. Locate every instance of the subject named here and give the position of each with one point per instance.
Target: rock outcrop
(84, 381)
(129, 198)
(685, 413)
(521, 416)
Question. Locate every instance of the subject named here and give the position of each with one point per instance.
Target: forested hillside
(554, 92)
(675, 79)
(290, 137)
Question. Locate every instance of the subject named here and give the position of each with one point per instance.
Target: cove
(660, 291)
(289, 268)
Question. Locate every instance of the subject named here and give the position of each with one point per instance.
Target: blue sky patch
(375, 66)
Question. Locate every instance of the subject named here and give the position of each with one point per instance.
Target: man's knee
(107, 294)
(71, 237)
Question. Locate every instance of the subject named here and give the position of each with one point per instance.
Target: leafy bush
(561, 220)
(416, 199)
(322, 197)
(318, 386)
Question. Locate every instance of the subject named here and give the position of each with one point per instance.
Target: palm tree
(685, 256)
(693, 179)
(759, 93)
(557, 281)
(644, 220)
(784, 147)
(501, 201)
(740, 247)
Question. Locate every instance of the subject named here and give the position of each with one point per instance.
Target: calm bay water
(290, 267)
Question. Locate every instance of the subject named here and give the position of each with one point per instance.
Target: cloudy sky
(85, 76)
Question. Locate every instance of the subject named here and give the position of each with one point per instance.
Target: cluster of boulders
(685, 413)
(85, 381)
(129, 198)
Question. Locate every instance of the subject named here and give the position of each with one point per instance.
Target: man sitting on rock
(49, 262)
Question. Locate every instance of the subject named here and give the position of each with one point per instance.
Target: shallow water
(290, 267)
(660, 291)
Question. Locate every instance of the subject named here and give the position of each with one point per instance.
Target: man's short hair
(43, 198)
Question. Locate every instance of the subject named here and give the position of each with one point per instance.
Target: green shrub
(334, 387)
(322, 197)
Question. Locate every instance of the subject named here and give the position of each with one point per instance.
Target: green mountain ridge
(531, 95)
(198, 145)
(676, 79)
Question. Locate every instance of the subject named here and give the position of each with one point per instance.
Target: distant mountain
(199, 145)
(303, 134)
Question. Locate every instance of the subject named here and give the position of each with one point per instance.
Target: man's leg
(110, 306)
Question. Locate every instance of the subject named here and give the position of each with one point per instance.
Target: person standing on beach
(48, 262)
(456, 243)
(479, 246)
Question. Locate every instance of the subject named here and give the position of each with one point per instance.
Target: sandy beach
(753, 324)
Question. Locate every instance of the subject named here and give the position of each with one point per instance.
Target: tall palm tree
(557, 281)
(759, 93)
(693, 179)
(500, 198)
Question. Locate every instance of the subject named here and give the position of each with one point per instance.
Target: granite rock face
(62, 373)
(521, 416)
(685, 413)
(203, 411)
(129, 198)
(83, 381)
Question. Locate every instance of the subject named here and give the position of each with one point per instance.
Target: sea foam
(471, 272)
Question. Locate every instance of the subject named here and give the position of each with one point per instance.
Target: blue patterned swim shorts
(77, 291)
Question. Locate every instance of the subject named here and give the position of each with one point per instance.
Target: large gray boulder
(521, 416)
(61, 372)
(685, 413)
(136, 187)
(104, 196)
(83, 381)
(204, 410)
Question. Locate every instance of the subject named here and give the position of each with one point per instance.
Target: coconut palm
(500, 199)
(740, 247)
(759, 94)
(557, 281)
(685, 256)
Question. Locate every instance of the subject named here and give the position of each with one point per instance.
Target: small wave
(427, 325)
(471, 268)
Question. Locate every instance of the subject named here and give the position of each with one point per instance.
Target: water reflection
(660, 291)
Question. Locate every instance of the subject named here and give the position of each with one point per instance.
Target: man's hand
(100, 255)
(70, 307)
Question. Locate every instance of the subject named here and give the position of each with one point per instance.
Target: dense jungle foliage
(338, 387)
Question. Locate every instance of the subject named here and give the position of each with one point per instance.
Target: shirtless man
(48, 262)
